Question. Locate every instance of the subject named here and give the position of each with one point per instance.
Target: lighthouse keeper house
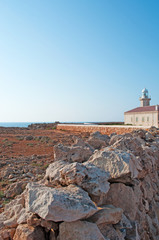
(145, 115)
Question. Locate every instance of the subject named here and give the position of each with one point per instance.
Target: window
(136, 119)
(131, 119)
(143, 119)
(147, 119)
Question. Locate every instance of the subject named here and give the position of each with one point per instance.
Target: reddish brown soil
(20, 148)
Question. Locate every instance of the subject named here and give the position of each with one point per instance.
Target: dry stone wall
(103, 129)
(105, 188)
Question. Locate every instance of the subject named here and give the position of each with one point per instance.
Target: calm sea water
(15, 124)
(21, 124)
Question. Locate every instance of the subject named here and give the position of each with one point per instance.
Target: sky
(76, 60)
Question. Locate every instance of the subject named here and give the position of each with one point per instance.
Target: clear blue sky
(77, 60)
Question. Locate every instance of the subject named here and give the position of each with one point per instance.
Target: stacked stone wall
(102, 129)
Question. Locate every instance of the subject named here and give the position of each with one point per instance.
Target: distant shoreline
(27, 124)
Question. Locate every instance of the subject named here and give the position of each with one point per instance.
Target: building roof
(144, 109)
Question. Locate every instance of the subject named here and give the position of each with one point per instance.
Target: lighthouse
(145, 99)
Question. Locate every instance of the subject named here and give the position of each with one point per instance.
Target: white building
(145, 115)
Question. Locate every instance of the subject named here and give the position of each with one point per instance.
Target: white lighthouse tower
(145, 99)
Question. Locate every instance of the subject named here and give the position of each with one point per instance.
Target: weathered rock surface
(133, 144)
(107, 214)
(110, 233)
(116, 162)
(123, 196)
(6, 234)
(25, 232)
(88, 176)
(79, 230)
(62, 204)
(15, 189)
(75, 153)
(98, 141)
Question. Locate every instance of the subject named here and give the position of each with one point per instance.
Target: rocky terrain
(86, 187)
(25, 153)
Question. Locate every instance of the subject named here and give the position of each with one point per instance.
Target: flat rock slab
(79, 230)
(108, 214)
(59, 204)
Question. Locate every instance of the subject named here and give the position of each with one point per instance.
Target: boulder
(133, 144)
(80, 142)
(52, 176)
(79, 230)
(96, 182)
(25, 232)
(86, 175)
(61, 204)
(15, 189)
(123, 196)
(7, 234)
(109, 232)
(108, 214)
(124, 223)
(114, 138)
(139, 133)
(72, 153)
(98, 141)
(116, 162)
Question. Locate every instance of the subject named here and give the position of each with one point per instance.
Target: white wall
(144, 119)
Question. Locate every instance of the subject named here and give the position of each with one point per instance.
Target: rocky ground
(64, 186)
(25, 153)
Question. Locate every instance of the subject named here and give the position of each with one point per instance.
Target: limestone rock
(133, 144)
(25, 232)
(7, 234)
(109, 232)
(52, 175)
(116, 162)
(96, 182)
(72, 154)
(12, 214)
(124, 223)
(62, 204)
(89, 177)
(79, 142)
(15, 189)
(97, 140)
(108, 214)
(114, 138)
(139, 133)
(123, 197)
(79, 230)
(23, 216)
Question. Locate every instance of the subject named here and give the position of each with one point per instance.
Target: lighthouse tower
(145, 99)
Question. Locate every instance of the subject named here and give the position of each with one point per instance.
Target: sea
(26, 124)
(16, 124)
